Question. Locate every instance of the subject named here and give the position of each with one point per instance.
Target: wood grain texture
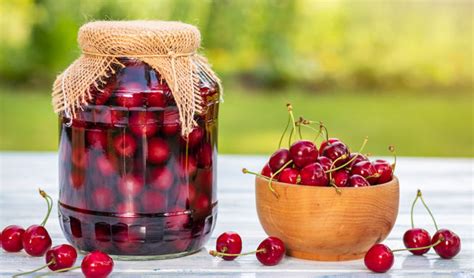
(447, 185)
(317, 223)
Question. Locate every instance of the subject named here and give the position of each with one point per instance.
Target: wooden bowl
(317, 223)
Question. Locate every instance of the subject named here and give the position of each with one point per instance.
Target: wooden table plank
(447, 185)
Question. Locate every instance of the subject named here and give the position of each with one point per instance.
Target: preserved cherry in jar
(138, 146)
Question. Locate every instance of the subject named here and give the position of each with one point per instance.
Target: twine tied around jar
(168, 47)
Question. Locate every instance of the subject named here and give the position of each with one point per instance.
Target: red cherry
(12, 238)
(62, 256)
(289, 175)
(195, 137)
(162, 178)
(229, 243)
(278, 159)
(154, 202)
(266, 171)
(129, 100)
(130, 186)
(379, 258)
(127, 207)
(415, 238)
(359, 158)
(97, 138)
(325, 162)
(450, 244)
(77, 178)
(156, 99)
(358, 181)
(303, 153)
(340, 178)
(105, 165)
(202, 202)
(313, 174)
(204, 156)
(79, 157)
(144, 123)
(97, 265)
(384, 169)
(36, 240)
(187, 170)
(273, 251)
(103, 198)
(336, 150)
(365, 169)
(102, 96)
(324, 144)
(158, 150)
(171, 124)
(125, 145)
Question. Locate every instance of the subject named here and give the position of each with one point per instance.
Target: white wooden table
(447, 185)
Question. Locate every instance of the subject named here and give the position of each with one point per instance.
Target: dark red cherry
(97, 138)
(158, 150)
(194, 138)
(379, 258)
(266, 171)
(367, 170)
(144, 123)
(273, 251)
(357, 181)
(171, 125)
(36, 240)
(303, 153)
(384, 169)
(278, 159)
(202, 202)
(124, 144)
(62, 256)
(336, 150)
(102, 96)
(130, 186)
(162, 178)
(12, 238)
(340, 178)
(128, 95)
(324, 144)
(97, 265)
(289, 175)
(229, 243)
(359, 157)
(450, 244)
(415, 238)
(204, 156)
(325, 162)
(77, 178)
(187, 169)
(313, 174)
(156, 99)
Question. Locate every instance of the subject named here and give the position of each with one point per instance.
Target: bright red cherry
(272, 251)
(130, 186)
(313, 174)
(229, 243)
(144, 123)
(324, 144)
(204, 156)
(12, 238)
(195, 137)
(384, 169)
(450, 244)
(266, 171)
(162, 178)
(289, 175)
(36, 240)
(340, 178)
(97, 265)
(278, 159)
(367, 170)
(156, 99)
(337, 150)
(61, 256)
(124, 144)
(325, 162)
(415, 238)
(303, 153)
(158, 150)
(360, 157)
(358, 181)
(379, 258)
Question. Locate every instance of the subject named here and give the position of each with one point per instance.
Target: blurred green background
(400, 72)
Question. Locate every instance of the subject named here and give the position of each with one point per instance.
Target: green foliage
(417, 44)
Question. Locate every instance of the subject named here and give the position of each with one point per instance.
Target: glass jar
(130, 183)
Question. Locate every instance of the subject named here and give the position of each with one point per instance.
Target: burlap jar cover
(168, 47)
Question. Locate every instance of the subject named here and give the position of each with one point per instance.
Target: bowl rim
(392, 182)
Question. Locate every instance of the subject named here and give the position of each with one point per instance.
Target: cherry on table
(97, 265)
(272, 251)
(289, 175)
(358, 181)
(379, 258)
(313, 174)
(12, 238)
(303, 153)
(279, 159)
(415, 238)
(61, 256)
(450, 244)
(36, 240)
(230, 243)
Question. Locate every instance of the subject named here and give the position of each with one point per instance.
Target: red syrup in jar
(130, 184)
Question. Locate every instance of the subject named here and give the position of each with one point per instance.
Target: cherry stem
(215, 253)
(427, 208)
(344, 156)
(292, 117)
(392, 150)
(60, 270)
(35, 270)
(418, 193)
(273, 175)
(246, 171)
(284, 131)
(49, 203)
(420, 248)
